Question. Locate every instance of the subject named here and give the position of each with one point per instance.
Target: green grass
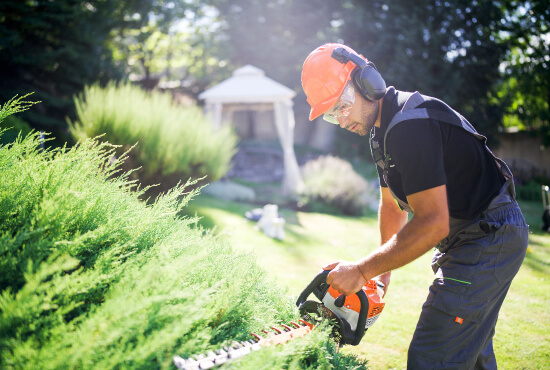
(311, 238)
(314, 239)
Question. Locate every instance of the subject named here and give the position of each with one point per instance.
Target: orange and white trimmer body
(353, 314)
(351, 307)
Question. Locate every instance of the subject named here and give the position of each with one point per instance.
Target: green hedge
(174, 143)
(92, 277)
(12, 126)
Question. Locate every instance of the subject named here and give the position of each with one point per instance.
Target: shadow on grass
(536, 263)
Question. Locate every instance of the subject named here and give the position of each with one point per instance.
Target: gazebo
(249, 89)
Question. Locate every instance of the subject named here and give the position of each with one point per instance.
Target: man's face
(362, 116)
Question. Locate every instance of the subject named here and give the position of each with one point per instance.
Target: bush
(230, 191)
(11, 126)
(331, 185)
(94, 278)
(174, 142)
(532, 191)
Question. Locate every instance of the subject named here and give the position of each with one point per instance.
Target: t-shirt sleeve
(416, 149)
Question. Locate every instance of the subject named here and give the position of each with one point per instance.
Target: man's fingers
(336, 286)
(344, 277)
(331, 266)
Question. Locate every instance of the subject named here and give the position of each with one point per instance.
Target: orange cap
(324, 78)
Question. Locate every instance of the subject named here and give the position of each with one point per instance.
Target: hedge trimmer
(350, 316)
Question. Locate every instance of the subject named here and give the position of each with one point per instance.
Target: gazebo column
(226, 115)
(214, 112)
(284, 122)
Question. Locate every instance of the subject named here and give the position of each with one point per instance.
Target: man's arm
(391, 220)
(428, 226)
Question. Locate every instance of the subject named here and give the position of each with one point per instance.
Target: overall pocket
(513, 241)
(450, 328)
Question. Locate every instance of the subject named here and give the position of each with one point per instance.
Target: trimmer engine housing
(354, 314)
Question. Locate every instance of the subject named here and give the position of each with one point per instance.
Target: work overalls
(474, 267)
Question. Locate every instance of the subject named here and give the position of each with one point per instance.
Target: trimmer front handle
(319, 287)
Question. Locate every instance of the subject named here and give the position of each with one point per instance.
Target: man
(433, 164)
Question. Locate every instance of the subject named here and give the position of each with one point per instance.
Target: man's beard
(370, 112)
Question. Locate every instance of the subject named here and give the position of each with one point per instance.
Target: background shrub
(229, 190)
(174, 142)
(331, 185)
(531, 191)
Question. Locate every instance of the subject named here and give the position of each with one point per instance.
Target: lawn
(314, 239)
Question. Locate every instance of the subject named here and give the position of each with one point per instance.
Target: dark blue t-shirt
(426, 153)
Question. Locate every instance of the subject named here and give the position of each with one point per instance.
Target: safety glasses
(343, 106)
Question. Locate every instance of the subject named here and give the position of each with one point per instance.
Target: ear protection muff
(367, 79)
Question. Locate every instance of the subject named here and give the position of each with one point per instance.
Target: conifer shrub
(331, 185)
(174, 143)
(94, 278)
(12, 126)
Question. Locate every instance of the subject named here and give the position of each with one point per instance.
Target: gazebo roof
(248, 84)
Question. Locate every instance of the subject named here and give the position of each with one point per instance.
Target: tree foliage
(526, 80)
(444, 49)
(451, 50)
(276, 35)
(485, 58)
(147, 44)
(54, 48)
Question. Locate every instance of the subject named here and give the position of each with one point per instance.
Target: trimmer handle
(316, 283)
(316, 286)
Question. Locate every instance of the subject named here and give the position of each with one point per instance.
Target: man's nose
(342, 121)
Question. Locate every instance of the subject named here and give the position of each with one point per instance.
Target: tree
(144, 44)
(276, 35)
(444, 49)
(451, 50)
(176, 41)
(53, 48)
(525, 87)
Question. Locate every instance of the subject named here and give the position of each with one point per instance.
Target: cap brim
(320, 109)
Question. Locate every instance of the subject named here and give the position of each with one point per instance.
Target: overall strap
(410, 111)
(406, 113)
